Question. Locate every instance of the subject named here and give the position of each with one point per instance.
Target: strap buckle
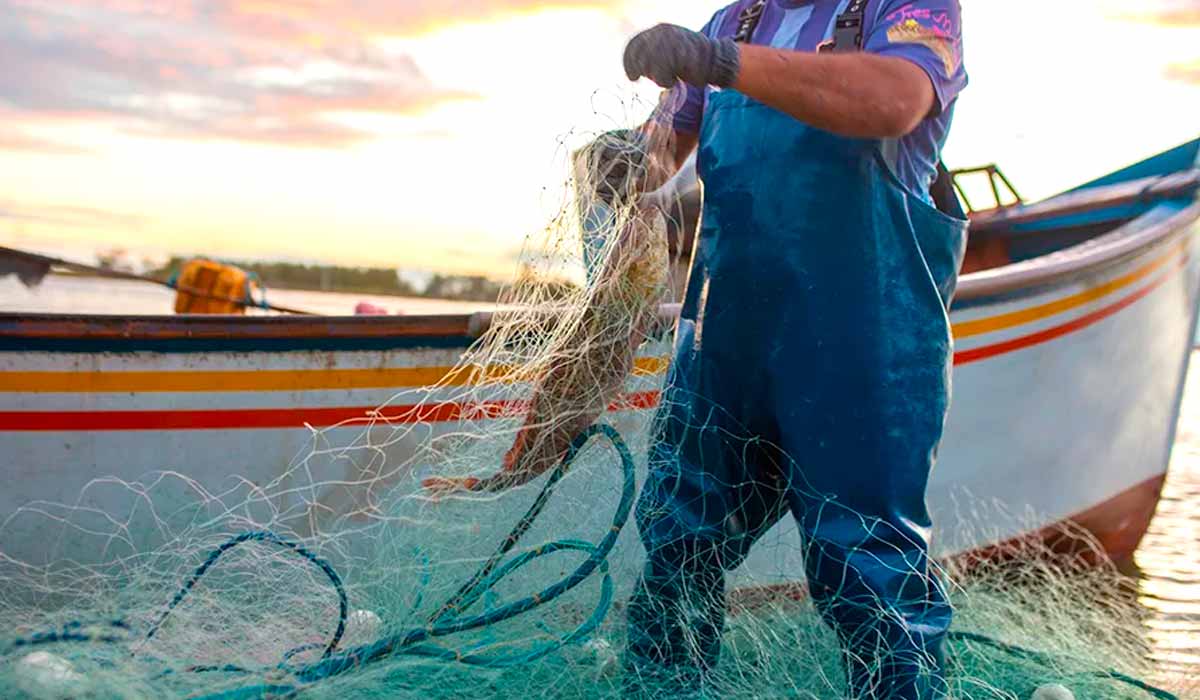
(748, 21)
(847, 30)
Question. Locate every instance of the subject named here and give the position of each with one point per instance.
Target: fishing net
(443, 547)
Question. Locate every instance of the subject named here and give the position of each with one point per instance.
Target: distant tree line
(377, 280)
(466, 288)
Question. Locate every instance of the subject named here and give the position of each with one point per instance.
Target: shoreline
(395, 293)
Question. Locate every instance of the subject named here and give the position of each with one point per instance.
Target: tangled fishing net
(441, 548)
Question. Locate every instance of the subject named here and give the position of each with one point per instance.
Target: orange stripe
(963, 357)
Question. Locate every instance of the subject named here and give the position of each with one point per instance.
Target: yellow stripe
(966, 329)
(261, 380)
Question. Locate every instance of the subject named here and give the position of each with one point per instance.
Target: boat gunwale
(1174, 185)
(1146, 231)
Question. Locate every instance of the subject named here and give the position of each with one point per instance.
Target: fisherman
(811, 371)
(812, 359)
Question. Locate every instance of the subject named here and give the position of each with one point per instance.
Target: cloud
(1185, 72)
(70, 216)
(1166, 13)
(16, 141)
(298, 18)
(249, 70)
(1182, 17)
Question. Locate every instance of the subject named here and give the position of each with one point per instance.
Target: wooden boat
(1073, 328)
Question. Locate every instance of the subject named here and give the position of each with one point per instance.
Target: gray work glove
(668, 53)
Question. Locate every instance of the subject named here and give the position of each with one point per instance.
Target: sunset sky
(423, 134)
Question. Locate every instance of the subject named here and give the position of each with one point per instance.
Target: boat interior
(1010, 231)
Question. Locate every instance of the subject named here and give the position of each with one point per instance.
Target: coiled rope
(451, 617)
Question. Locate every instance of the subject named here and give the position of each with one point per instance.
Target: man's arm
(859, 95)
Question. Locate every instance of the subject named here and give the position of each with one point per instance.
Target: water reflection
(1168, 560)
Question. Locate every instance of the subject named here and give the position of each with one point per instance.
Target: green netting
(402, 582)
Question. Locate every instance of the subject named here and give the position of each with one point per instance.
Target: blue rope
(76, 631)
(272, 538)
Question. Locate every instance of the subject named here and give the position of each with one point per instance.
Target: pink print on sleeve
(933, 29)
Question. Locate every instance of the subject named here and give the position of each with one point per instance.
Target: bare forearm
(859, 95)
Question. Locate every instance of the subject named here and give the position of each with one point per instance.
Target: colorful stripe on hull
(1157, 271)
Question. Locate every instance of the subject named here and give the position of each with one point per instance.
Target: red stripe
(963, 357)
(217, 419)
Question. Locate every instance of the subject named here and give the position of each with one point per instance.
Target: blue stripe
(787, 36)
(724, 23)
(820, 26)
(772, 15)
(208, 345)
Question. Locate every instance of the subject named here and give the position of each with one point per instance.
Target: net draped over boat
(375, 565)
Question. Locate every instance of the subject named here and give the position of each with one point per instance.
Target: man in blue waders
(812, 362)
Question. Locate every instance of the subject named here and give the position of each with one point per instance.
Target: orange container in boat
(208, 287)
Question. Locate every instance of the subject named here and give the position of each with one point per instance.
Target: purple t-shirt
(926, 32)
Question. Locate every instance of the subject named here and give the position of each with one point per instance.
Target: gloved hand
(668, 53)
